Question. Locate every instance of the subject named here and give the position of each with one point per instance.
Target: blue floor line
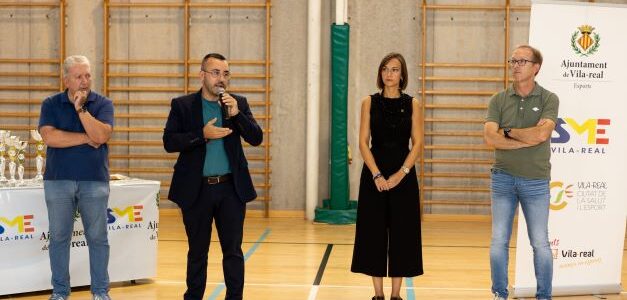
(409, 283)
(220, 287)
(256, 245)
(216, 291)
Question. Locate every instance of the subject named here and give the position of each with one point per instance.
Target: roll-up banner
(585, 59)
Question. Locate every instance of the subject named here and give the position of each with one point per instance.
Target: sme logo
(593, 131)
(131, 213)
(23, 223)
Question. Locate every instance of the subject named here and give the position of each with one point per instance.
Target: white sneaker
(497, 297)
(58, 297)
(101, 297)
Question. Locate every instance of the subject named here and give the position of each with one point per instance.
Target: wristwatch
(405, 169)
(82, 109)
(506, 132)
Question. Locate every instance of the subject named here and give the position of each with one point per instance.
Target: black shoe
(378, 298)
(396, 298)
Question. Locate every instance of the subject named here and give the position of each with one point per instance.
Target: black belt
(218, 179)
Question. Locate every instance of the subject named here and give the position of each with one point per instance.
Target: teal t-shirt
(216, 161)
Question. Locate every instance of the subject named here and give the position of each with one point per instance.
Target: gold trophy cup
(40, 150)
(3, 152)
(21, 159)
(13, 140)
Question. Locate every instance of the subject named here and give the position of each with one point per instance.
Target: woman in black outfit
(387, 237)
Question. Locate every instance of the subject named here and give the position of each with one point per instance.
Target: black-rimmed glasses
(519, 62)
(215, 73)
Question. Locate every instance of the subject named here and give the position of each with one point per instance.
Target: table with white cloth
(132, 222)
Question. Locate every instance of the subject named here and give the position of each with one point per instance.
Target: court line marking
(323, 264)
(409, 286)
(304, 285)
(288, 285)
(346, 244)
(218, 289)
(313, 291)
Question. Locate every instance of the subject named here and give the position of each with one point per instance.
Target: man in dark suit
(211, 178)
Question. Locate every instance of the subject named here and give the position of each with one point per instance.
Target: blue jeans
(91, 198)
(534, 197)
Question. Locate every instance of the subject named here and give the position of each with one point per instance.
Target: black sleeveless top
(390, 131)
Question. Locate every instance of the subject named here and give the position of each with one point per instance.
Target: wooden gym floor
(284, 258)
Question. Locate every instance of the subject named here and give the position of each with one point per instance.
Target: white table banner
(133, 219)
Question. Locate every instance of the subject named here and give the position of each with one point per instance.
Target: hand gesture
(541, 122)
(382, 184)
(89, 142)
(395, 179)
(231, 104)
(80, 97)
(93, 144)
(211, 131)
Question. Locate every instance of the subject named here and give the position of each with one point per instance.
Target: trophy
(40, 149)
(21, 159)
(3, 150)
(13, 140)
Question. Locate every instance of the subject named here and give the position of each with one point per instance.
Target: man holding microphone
(211, 179)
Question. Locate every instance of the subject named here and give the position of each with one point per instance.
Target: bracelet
(377, 175)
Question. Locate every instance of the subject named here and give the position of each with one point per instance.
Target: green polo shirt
(511, 110)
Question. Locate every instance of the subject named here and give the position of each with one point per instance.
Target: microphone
(225, 110)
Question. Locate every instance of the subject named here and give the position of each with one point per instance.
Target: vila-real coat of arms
(584, 41)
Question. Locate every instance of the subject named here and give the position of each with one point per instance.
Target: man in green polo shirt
(519, 125)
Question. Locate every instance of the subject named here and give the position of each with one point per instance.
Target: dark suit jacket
(183, 133)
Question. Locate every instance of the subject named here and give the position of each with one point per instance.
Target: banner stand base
(575, 290)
